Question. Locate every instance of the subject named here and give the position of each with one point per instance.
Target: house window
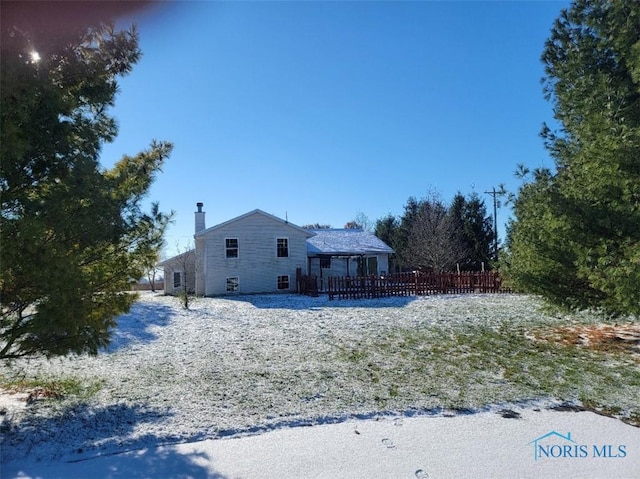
(325, 262)
(367, 266)
(231, 245)
(283, 282)
(283, 247)
(233, 285)
(177, 279)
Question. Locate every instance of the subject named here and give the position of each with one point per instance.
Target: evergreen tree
(72, 234)
(576, 234)
(408, 218)
(476, 230)
(152, 245)
(386, 229)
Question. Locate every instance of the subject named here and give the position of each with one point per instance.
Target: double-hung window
(231, 246)
(282, 247)
(283, 282)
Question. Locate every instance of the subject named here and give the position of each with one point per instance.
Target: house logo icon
(553, 444)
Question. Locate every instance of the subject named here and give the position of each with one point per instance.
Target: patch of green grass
(52, 388)
(470, 365)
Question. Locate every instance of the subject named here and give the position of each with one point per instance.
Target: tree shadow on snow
(134, 327)
(84, 441)
(150, 463)
(300, 302)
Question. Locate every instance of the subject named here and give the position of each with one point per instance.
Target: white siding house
(253, 253)
(179, 272)
(260, 253)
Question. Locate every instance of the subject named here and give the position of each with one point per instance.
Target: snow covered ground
(232, 368)
(483, 445)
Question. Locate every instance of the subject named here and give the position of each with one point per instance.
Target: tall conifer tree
(72, 234)
(576, 234)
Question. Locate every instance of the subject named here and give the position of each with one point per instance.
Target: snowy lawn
(250, 364)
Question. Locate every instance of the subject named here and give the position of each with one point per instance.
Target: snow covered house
(260, 253)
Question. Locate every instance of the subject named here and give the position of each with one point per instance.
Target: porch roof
(345, 242)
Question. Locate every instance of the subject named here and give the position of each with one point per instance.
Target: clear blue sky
(320, 110)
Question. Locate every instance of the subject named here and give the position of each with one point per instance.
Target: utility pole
(494, 194)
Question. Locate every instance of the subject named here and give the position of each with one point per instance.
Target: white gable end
(253, 253)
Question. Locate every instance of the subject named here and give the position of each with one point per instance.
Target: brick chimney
(199, 218)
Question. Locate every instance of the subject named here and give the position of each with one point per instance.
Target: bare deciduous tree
(364, 222)
(434, 240)
(186, 263)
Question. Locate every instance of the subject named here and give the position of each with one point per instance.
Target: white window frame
(180, 279)
(288, 282)
(237, 284)
(228, 248)
(278, 246)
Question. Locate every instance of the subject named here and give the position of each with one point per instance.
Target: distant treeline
(433, 235)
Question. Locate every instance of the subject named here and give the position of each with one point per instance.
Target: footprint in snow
(421, 474)
(397, 421)
(509, 414)
(388, 443)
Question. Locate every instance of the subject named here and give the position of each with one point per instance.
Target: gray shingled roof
(345, 242)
